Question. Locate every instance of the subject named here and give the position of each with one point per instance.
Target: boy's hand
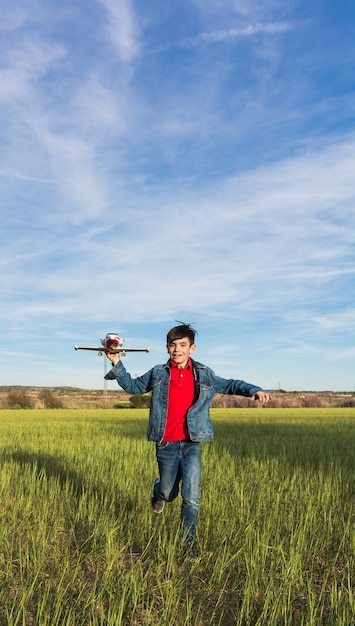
(262, 397)
(114, 357)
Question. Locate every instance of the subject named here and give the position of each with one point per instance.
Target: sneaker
(157, 504)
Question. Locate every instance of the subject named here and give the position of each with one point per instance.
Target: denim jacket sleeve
(136, 386)
(234, 387)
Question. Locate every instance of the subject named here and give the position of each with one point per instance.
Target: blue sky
(187, 160)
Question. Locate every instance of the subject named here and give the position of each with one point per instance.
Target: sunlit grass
(80, 546)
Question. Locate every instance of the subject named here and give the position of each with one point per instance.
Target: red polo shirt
(181, 397)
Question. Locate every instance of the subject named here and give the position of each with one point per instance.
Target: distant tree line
(46, 398)
(284, 400)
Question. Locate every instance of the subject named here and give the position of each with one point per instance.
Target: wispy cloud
(232, 34)
(24, 65)
(122, 28)
(266, 234)
(20, 176)
(210, 182)
(338, 320)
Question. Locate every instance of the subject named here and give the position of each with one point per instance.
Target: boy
(179, 420)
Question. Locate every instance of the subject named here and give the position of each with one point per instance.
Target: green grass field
(80, 545)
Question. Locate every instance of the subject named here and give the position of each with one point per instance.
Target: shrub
(140, 402)
(311, 400)
(50, 400)
(19, 399)
(221, 401)
(349, 402)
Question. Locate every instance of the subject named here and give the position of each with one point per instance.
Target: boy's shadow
(310, 446)
(52, 467)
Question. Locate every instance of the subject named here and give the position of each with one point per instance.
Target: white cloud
(231, 34)
(122, 28)
(19, 176)
(24, 64)
(339, 320)
(14, 16)
(248, 243)
(140, 186)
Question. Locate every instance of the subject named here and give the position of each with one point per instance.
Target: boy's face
(179, 351)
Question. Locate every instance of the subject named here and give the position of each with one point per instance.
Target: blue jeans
(181, 461)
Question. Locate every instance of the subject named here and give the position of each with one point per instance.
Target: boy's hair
(181, 331)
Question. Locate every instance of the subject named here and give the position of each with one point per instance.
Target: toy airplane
(111, 343)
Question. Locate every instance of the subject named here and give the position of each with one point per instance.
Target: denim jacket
(157, 381)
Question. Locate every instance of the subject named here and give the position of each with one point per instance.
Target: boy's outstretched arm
(261, 396)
